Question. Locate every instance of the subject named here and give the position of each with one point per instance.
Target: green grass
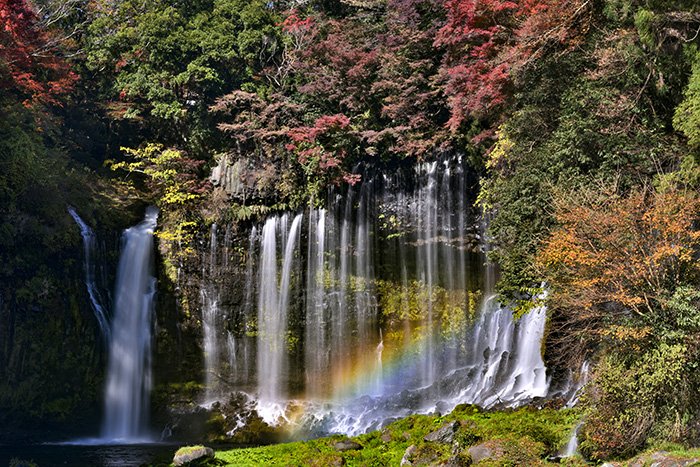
(526, 436)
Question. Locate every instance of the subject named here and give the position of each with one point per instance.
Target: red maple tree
(30, 64)
(489, 41)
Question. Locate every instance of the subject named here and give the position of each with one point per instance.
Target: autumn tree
(174, 184)
(623, 270)
(489, 41)
(382, 74)
(256, 132)
(31, 66)
(344, 89)
(618, 259)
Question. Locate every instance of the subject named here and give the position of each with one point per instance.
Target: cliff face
(53, 347)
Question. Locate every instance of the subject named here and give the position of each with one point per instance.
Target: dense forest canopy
(581, 118)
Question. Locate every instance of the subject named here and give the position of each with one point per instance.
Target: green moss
(527, 436)
(188, 450)
(454, 308)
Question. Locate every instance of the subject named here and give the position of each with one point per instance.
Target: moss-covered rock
(193, 455)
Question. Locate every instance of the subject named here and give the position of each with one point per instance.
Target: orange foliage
(622, 256)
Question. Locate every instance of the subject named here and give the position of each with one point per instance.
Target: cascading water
(129, 367)
(505, 364)
(380, 306)
(571, 447)
(315, 335)
(89, 250)
(273, 302)
(210, 318)
(210, 322)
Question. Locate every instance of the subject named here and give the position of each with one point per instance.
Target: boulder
(423, 455)
(407, 458)
(480, 452)
(192, 455)
(347, 445)
(446, 433)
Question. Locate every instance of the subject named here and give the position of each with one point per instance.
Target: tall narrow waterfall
(210, 321)
(89, 250)
(273, 302)
(380, 305)
(129, 367)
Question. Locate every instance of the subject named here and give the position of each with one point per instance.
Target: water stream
(128, 385)
(571, 448)
(89, 252)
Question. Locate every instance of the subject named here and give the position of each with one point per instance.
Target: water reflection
(48, 455)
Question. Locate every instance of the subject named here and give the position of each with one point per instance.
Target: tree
(321, 150)
(488, 41)
(173, 180)
(344, 89)
(164, 63)
(624, 274)
(687, 115)
(31, 67)
(172, 175)
(616, 262)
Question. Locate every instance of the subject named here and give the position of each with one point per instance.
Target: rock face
(229, 175)
(446, 434)
(192, 455)
(347, 445)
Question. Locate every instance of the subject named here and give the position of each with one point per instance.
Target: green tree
(163, 63)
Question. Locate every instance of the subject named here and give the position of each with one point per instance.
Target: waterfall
(379, 305)
(129, 367)
(273, 302)
(505, 363)
(210, 312)
(571, 447)
(577, 385)
(315, 344)
(89, 250)
(364, 277)
(210, 321)
(380, 367)
(247, 346)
